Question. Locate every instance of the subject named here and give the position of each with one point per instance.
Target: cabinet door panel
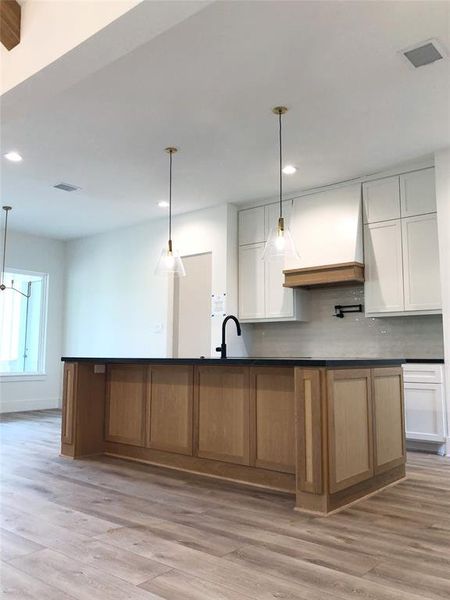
(252, 226)
(422, 287)
(274, 418)
(251, 282)
(125, 404)
(381, 200)
(171, 403)
(389, 444)
(383, 267)
(418, 194)
(350, 427)
(425, 411)
(222, 413)
(279, 300)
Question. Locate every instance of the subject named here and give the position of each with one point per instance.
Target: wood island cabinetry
(328, 435)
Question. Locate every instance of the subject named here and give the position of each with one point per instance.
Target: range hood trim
(324, 275)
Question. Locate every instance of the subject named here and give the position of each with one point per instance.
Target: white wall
(442, 171)
(32, 253)
(116, 306)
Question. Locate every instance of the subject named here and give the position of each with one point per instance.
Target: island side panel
(350, 427)
(83, 410)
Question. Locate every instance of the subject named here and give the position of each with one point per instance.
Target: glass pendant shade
(280, 243)
(170, 263)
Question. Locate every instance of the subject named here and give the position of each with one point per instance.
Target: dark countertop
(257, 362)
(425, 361)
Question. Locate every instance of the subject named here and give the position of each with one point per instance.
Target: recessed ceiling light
(289, 170)
(13, 156)
(163, 204)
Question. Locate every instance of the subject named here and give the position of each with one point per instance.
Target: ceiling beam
(9, 23)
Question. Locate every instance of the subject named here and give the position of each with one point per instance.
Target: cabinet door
(251, 282)
(350, 430)
(279, 301)
(125, 404)
(169, 416)
(422, 287)
(251, 226)
(68, 403)
(383, 286)
(389, 437)
(381, 200)
(418, 194)
(272, 213)
(425, 411)
(273, 418)
(222, 405)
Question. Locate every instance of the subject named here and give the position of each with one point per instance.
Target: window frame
(41, 373)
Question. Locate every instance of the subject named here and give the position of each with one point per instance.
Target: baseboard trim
(10, 406)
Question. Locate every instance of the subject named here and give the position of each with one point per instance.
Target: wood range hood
(325, 275)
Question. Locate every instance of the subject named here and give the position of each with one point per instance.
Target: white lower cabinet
(424, 403)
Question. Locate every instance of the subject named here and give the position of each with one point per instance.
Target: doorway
(192, 308)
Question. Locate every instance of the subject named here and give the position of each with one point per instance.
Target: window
(22, 323)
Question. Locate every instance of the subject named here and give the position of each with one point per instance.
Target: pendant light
(170, 262)
(3, 286)
(280, 243)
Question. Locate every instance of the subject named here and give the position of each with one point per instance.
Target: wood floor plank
(108, 529)
(13, 545)
(17, 585)
(175, 585)
(76, 579)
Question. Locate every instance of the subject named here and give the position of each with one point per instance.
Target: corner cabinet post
(83, 409)
(68, 409)
(311, 440)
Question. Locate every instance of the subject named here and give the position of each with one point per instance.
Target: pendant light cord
(281, 164)
(4, 249)
(170, 196)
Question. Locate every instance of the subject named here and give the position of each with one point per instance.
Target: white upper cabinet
(421, 263)
(383, 267)
(279, 300)
(402, 255)
(417, 192)
(381, 200)
(251, 282)
(262, 296)
(252, 225)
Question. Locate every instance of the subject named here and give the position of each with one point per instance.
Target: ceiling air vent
(66, 187)
(425, 54)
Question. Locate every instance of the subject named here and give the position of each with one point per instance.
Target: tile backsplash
(353, 336)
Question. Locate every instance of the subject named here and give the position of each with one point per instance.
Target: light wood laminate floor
(107, 529)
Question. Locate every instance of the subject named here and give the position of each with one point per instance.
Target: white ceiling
(207, 85)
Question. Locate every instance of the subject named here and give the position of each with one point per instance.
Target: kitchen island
(329, 431)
